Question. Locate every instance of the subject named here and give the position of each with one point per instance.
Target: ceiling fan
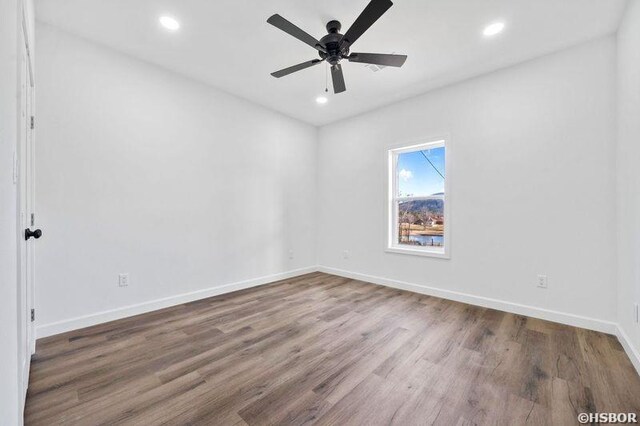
(334, 47)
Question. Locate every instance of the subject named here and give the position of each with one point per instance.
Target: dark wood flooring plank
(327, 350)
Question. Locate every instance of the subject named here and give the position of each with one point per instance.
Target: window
(417, 213)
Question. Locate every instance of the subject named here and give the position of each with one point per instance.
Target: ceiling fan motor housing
(334, 47)
(331, 42)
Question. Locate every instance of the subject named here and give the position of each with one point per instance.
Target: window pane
(420, 173)
(421, 223)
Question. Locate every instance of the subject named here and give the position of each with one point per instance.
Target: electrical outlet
(290, 254)
(346, 254)
(542, 281)
(123, 280)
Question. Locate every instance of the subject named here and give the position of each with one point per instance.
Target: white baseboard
(501, 305)
(51, 329)
(531, 311)
(632, 352)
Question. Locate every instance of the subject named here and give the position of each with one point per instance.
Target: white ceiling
(228, 44)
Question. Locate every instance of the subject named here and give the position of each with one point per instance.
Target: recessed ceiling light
(322, 100)
(493, 29)
(169, 23)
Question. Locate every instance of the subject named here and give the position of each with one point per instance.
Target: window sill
(418, 252)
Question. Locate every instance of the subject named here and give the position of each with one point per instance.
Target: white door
(26, 231)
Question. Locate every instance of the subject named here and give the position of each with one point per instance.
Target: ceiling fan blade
(289, 28)
(378, 59)
(295, 68)
(367, 18)
(338, 79)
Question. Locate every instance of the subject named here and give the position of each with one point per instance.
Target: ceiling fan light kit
(334, 47)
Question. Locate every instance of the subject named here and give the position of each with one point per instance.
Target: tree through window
(418, 211)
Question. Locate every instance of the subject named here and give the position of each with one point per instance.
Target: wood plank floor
(332, 351)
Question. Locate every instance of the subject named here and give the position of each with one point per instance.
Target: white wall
(532, 185)
(9, 373)
(142, 171)
(629, 173)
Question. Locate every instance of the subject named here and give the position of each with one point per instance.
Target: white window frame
(392, 200)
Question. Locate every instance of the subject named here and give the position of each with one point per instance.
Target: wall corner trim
(501, 305)
(632, 352)
(608, 327)
(70, 324)
(485, 302)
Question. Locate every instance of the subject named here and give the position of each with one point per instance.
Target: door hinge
(33, 122)
(33, 315)
(15, 167)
